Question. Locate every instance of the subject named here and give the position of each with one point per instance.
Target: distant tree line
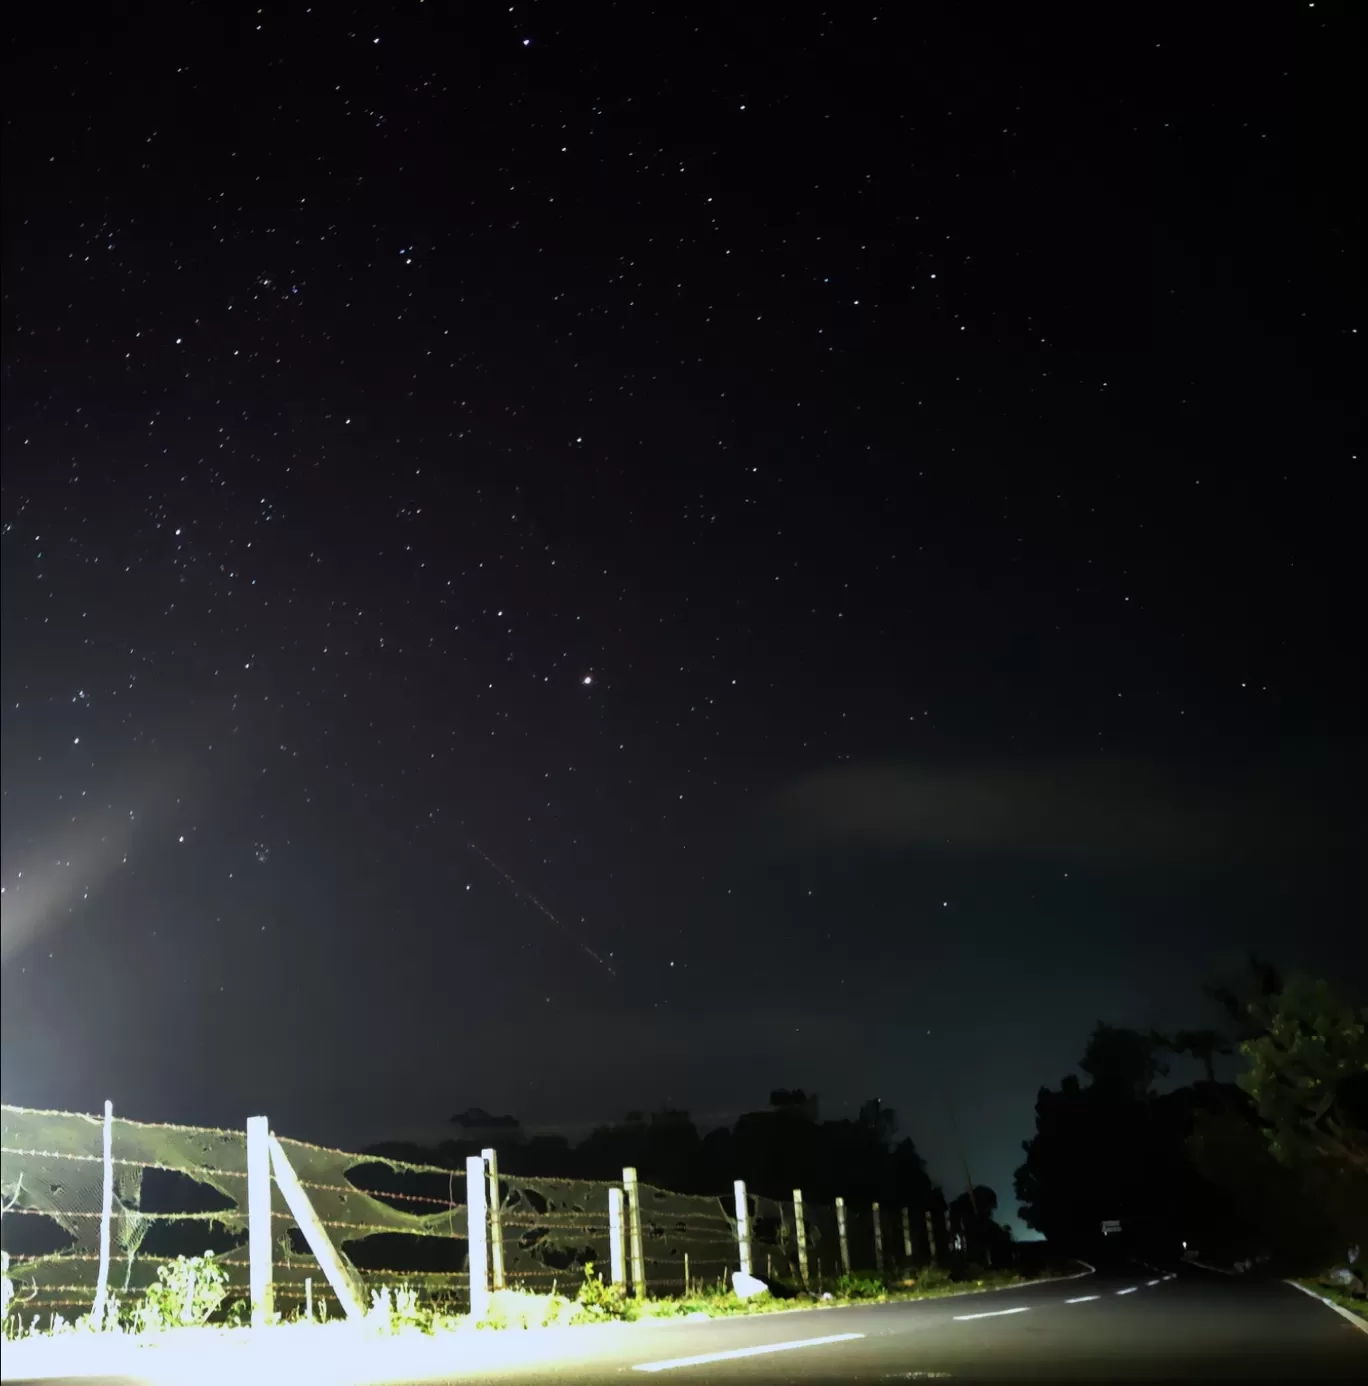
(784, 1147)
(1274, 1164)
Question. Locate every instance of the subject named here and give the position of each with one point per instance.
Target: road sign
(1110, 1226)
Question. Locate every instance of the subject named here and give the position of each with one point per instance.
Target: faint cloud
(1115, 811)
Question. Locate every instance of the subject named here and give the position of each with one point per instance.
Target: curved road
(1131, 1324)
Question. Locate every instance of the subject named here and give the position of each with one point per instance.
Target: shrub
(932, 1278)
(860, 1287)
(598, 1300)
(188, 1291)
(397, 1309)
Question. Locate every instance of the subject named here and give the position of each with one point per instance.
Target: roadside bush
(932, 1278)
(860, 1287)
(600, 1300)
(186, 1295)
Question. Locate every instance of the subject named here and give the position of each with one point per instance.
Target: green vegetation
(188, 1292)
(191, 1293)
(1355, 1304)
(1272, 1168)
(599, 1300)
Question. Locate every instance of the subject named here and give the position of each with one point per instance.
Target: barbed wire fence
(93, 1207)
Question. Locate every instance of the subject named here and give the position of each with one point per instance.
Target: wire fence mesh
(182, 1191)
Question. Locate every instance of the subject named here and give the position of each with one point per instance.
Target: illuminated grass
(1337, 1295)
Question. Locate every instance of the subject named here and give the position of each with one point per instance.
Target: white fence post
(496, 1247)
(478, 1238)
(743, 1241)
(907, 1236)
(878, 1239)
(259, 1237)
(841, 1232)
(106, 1211)
(633, 1192)
(616, 1261)
(344, 1283)
(800, 1232)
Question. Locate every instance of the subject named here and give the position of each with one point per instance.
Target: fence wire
(182, 1190)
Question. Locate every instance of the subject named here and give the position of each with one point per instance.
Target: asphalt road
(1130, 1324)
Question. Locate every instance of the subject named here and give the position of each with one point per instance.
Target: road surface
(1131, 1324)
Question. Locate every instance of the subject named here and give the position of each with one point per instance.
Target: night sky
(848, 512)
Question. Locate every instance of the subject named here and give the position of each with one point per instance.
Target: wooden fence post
(260, 1240)
(743, 1241)
(344, 1283)
(477, 1238)
(106, 1212)
(931, 1236)
(878, 1239)
(907, 1236)
(633, 1192)
(496, 1246)
(841, 1232)
(800, 1231)
(616, 1260)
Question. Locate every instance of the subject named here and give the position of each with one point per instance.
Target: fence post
(106, 1211)
(615, 1257)
(259, 1237)
(931, 1236)
(743, 1241)
(340, 1277)
(800, 1231)
(633, 1192)
(477, 1238)
(907, 1236)
(496, 1246)
(841, 1231)
(878, 1239)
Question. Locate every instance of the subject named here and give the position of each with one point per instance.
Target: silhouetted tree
(1121, 1062)
(1203, 1045)
(1263, 983)
(1096, 1148)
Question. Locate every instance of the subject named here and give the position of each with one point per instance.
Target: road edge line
(701, 1359)
(1360, 1324)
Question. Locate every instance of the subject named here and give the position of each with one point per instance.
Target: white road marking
(992, 1314)
(1151, 1282)
(671, 1363)
(1330, 1304)
(1082, 1299)
(1130, 1291)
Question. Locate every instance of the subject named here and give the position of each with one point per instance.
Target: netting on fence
(182, 1190)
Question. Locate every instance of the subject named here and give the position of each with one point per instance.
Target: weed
(599, 1300)
(931, 1278)
(188, 1291)
(523, 1309)
(397, 1309)
(860, 1287)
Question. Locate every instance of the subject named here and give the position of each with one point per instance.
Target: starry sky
(566, 558)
